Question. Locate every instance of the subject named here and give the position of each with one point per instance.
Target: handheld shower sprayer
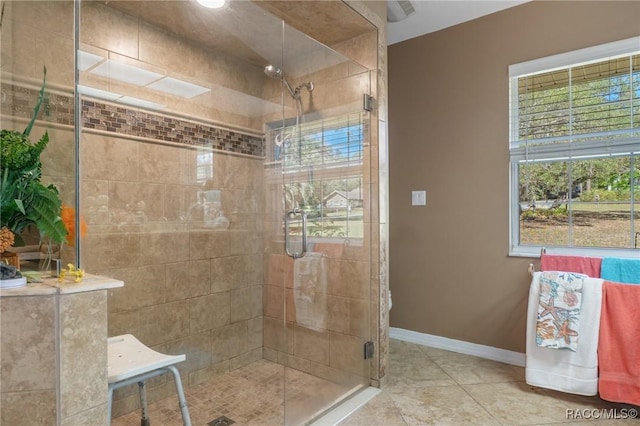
(308, 85)
(277, 73)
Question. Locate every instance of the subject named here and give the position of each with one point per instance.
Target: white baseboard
(482, 351)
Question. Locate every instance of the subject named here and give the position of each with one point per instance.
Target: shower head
(274, 72)
(277, 73)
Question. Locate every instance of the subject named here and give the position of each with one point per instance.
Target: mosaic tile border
(18, 102)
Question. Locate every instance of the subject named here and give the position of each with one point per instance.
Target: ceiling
(434, 15)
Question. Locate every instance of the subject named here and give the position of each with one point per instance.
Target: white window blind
(591, 108)
(320, 165)
(574, 135)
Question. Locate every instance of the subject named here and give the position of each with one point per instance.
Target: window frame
(597, 53)
(284, 172)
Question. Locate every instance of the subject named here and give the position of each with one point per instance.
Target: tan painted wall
(450, 273)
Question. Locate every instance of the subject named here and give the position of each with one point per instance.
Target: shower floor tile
(251, 395)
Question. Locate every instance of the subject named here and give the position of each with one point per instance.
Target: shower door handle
(287, 218)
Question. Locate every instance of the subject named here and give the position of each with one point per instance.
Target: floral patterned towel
(559, 310)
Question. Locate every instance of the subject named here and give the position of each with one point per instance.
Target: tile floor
(252, 395)
(426, 386)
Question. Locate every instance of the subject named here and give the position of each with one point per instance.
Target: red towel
(619, 343)
(579, 264)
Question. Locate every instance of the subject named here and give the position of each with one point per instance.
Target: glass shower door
(321, 152)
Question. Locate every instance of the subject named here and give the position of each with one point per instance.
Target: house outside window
(575, 151)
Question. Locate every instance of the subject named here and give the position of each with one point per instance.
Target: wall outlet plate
(418, 198)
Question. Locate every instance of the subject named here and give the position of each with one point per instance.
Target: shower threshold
(347, 407)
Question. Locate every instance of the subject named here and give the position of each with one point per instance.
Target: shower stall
(224, 164)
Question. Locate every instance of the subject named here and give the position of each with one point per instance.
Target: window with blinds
(574, 146)
(321, 164)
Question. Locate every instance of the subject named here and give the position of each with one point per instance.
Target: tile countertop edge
(52, 286)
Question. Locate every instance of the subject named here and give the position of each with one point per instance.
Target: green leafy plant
(24, 199)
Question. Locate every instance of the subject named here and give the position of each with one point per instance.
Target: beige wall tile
(160, 163)
(208, 244)
(274, 334)
(57, 159)
(164, 247)
(209, 312)
(246, 303)
(123, 322)
(187, 279)
(95, 415)
(109, 251)
(196, 348)
(108, 157)
(338, 318)
(255, 332)
(274, 270)
(39, 20)
(206, 374)
(347, 354)
(163, 323)
(135, 202)
(83, 351)
(349, 278)
(270, 355)
(28, 363)
(255, 275)
(18, 39)
(301, 364)
(290, 305)
(180, 202)
(36, 407)
(109, 29)
(360, 315)
(312, 345)
(229, 341)
(243, 242)
(125, 405)
(242, 173)
(228, 273)
(144, 286)
(273, 300)
(57, 54)
(338, 375)
(245, 359)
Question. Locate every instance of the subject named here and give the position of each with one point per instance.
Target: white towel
(309, 290)
(566, 371)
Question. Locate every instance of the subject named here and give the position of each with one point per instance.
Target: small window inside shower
(319, 166)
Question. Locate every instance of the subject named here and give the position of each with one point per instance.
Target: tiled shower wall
(199, 291)
(188, 288)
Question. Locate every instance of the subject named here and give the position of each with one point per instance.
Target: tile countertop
(67, 286)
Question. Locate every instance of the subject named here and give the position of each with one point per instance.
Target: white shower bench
(130, 361)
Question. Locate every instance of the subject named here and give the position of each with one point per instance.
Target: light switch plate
(418, 198)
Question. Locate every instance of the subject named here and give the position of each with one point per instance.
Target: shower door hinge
(369, 350)
(368, 102)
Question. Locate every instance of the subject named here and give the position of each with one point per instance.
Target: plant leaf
(36, 110)
(20, 205)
